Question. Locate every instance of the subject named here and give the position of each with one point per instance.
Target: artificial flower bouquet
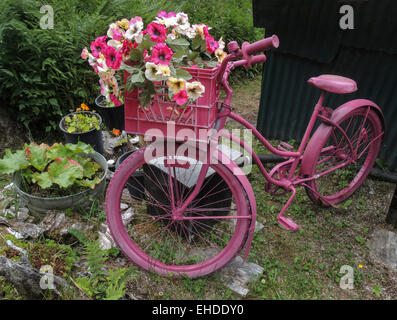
(154, 55)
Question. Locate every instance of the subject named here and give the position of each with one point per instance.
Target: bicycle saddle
(334, 84)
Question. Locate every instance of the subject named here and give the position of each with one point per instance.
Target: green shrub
(42, 76)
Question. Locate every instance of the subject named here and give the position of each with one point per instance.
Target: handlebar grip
(261, 46)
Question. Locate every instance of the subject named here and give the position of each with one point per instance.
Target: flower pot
(39, 206)
(113, 117)
(136, 183)
(92, 137)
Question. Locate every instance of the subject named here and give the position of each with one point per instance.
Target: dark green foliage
(42, 76)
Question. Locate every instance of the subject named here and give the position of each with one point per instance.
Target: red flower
(161, 54)
(158, 33)
(98, 45)
(180, 98)
(212, 45)
(113, 57)
(127, 46)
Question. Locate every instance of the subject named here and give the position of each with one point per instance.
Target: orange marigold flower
(85, 107)
(116, 132)
(78, 109)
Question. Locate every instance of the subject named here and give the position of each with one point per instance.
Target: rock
(258, 226)
(383, 244)
(110, 142)
(106, 242)
(56, 225)
(26, 279)
(127, 216)
(53, 221)
(22, 230)
(23, 214)
(123, 206)
(236, 274)
(9, 214)
(134, 140)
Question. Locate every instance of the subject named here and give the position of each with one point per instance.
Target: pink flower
(117, 35)
(84, 54)
(205, 31)
(161, 54)
(115, 100)
(180, 98)
(113, 57)
(212, 45)
(163, 14)
(158, 33)
(98, 45)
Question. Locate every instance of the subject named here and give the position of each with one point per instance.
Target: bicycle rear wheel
(220, 215)
(363, 129)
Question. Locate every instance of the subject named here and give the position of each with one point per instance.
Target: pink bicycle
(192, 214)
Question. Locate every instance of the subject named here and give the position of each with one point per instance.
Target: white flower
(115, 44)
(182, 19)
(194, 90)
(134, 28)
(152, 72)
(221, 44)
(163, 71)
(190, 33)
(112, 27)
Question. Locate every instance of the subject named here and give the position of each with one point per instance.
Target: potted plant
(158, 62)
(83, 125)
(56, 177)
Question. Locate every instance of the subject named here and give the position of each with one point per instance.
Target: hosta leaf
(13, 162)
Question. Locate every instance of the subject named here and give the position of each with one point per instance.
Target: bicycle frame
(293, 159)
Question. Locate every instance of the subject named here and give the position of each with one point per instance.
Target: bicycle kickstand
(285, 222)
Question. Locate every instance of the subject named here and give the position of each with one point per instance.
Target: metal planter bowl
(40, 206)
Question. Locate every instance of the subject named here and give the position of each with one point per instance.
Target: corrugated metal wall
(311, 43)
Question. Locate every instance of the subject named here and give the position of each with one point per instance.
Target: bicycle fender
(324, 129)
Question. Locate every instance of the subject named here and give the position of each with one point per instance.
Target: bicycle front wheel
(335, 181)
(218, 218)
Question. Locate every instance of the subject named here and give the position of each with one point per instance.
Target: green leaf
(179, 44)
(181, 73)
(13, 162)
(71, 129)
(88, 183)
(43, 179)
(65, 172)
(137, 77)
(211, 64)
(38, 156)
(80, 147)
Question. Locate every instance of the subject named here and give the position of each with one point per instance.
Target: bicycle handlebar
(260, 46)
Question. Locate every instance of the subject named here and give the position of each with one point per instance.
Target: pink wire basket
(200, 114)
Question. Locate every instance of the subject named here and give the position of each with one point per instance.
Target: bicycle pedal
(288, 224)
(284, 146)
